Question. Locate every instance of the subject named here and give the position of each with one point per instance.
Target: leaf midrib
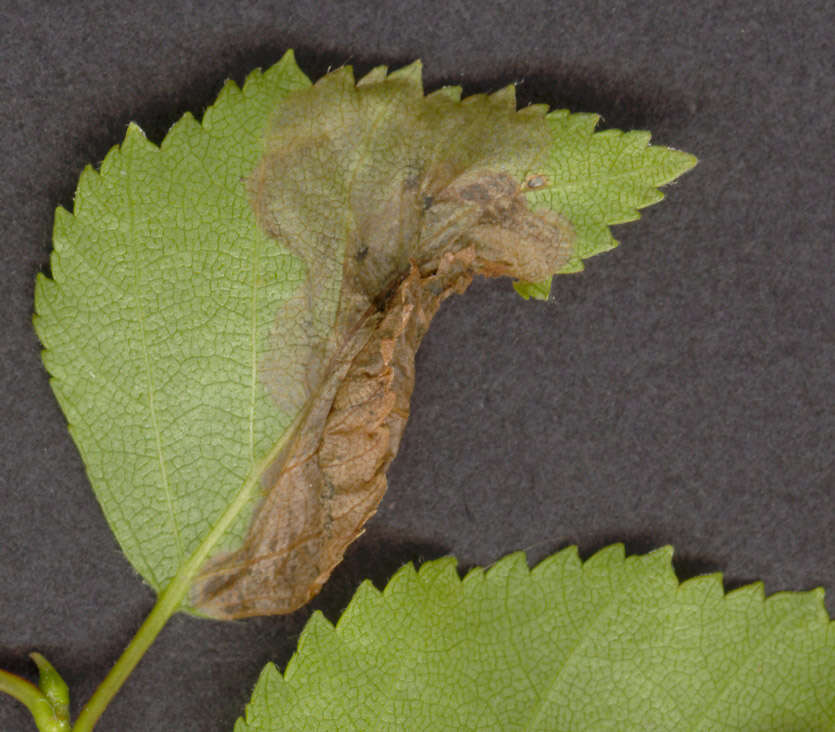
(151, 390)
(594, 181)
(752, 655)
(582, 640)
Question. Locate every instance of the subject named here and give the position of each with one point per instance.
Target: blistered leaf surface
(609, 644)
(393, 201)
(232, 317)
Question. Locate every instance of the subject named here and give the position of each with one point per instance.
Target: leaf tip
(535, 290)
(688, 160)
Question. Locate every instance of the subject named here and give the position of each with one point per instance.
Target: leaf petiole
(167, 603)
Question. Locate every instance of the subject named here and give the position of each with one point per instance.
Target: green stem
(167, 603)
(24, 691)
(33, 699)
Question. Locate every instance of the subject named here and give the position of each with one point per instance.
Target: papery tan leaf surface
(394, 201)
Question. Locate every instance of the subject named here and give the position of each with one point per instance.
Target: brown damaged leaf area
(391, 205)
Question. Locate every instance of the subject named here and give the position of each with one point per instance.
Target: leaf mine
(393, 201)
(232, 317)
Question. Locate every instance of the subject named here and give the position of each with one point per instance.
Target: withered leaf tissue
(394, 201)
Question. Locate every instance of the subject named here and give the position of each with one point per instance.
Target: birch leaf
(232, 317)
(612, 643)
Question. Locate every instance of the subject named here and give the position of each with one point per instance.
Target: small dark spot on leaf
(536, 181)
(413, 179)
(361, 254)
(475, 192)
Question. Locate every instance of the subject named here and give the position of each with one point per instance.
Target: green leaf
(597, 179)
(608, 644)
(162, 287)
(232, 317)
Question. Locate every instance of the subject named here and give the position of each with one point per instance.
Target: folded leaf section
(394, 201)
(233, 316)
(597, 179)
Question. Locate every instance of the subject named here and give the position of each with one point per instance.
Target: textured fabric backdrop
(680, 390)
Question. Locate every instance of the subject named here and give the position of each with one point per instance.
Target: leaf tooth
(508, 571)
(376, 75)
(564, 560)
(270, 676)
(404, 577)
(229, 93)
(365, 602)
(446, 92)
(136, 146)
(811, 611)
(288, 59)
(785, 604)
(506, 96)
(609, 136)
(412, 74)
(184, 128)
(338, 82)
(317, 637)
(474, 577)
(702, 588)
(45, 293)
(135, 137)
(558, 115)
(474, 99)
(637, 140)
(663, 555)
(286, 74)
(606, 557)
(443, 579)
(677, 162)
(63, 225)
(535, 290)
(89, 182)
(437, 569)
(577, 123)
(747, 594)
(56, 266)
(575, 264)
(534, 110)
(508, 566)
(255, 79)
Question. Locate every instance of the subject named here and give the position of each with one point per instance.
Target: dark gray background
(680, 390)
